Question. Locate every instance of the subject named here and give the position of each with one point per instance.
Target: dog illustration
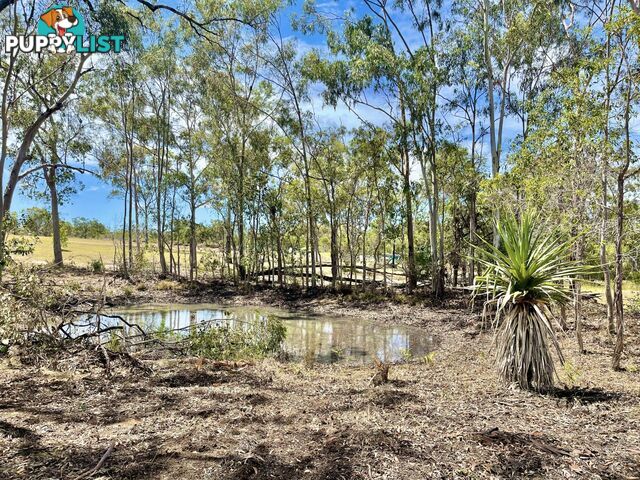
(60, 19)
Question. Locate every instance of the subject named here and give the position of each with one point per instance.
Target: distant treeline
(37, 221)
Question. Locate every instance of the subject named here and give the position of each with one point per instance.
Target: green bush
(97, 266)
(14, 247)
(23, 309)
(224, 342)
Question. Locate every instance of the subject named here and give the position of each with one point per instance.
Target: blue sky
(95, 199)
(92, 202)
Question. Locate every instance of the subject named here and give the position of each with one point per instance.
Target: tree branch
(55, 165)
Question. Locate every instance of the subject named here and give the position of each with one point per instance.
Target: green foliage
(423, 262)
(114, 343)
(96, 266)
(429, 358)
(14, 247)
(88, 228)
(23, 309)
(65, 231)
(521, 281)
(224, 341)
(163, 332)
(37, 221)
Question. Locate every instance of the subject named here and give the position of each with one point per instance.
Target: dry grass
(81, 252)
(448, 418)
(274, 420)
(630, 292)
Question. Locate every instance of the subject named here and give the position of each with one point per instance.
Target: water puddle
(327, 339)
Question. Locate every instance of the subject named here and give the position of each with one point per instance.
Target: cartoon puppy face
(60, 19)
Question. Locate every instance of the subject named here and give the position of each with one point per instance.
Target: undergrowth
(227, 342)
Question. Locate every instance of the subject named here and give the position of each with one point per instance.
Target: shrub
(223, 342)
(13, 247)
(96, 266)
(522, 280)
(166, 285)
(23, 309)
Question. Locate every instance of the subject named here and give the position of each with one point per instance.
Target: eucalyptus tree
(364, 62)
(116, 108)
(578, 151)
(27, 104)
(58, 155)
(25, 107)
(285, 73)
(236, 103)
(459, 179)
(196, 149)
(381, 67)
(556, 168)
(615, 28)
(520, 42)
(274, 203)
(466, 100)
(623, 26)
(330, 167)
(369, 153)
(158, 68)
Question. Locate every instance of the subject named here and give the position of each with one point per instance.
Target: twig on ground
(95, 469)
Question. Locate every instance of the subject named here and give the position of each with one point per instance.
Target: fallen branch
(95, 469)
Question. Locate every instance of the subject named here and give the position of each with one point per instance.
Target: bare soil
(449, 418)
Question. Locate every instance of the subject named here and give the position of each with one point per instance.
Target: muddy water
(328, 339)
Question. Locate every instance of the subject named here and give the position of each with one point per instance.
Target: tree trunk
(606, 271)
(50, 178)
(577, 316)
(412, 277)
(130, 187)
(472, 238)
(622, 174)
(193, 254)
(335, 258)
(25, 148)
(495, 159)
(618, 298)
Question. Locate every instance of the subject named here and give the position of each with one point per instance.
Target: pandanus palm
(521, 280)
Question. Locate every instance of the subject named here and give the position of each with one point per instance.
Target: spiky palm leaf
(522, 280)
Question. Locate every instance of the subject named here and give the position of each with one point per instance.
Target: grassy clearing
(82, 251)
(78, 251)
(630, 291)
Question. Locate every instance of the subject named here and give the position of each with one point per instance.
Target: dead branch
(95, 469)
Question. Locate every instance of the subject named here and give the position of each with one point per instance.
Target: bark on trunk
(50, 178)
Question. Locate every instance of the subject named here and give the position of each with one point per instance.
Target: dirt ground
(449, 418)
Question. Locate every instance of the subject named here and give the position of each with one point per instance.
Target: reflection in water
(328, 339)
